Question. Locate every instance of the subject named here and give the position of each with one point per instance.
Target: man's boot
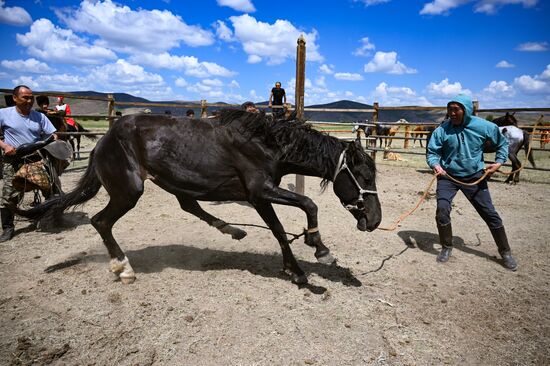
(446, 241)
(7, 224)
(504, 248)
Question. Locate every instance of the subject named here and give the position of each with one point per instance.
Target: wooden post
(111, 109)
(204, 107)
(374, 120)
(407, 134)
(299, 96)
(476, 107)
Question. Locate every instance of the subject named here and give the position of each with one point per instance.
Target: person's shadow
(425, 241)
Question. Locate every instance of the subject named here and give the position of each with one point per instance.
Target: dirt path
(204, 299)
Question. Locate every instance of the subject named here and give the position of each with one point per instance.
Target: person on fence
(20, 124)
(455, 151)
(277, 98)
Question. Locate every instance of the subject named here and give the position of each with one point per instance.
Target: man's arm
(284, 97)
(8, 149)
(270, 98)
(501, 142)
(433, 153)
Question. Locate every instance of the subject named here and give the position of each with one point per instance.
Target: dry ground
(202, 298)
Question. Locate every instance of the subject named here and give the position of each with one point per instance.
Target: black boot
(7, 224)
(504, 248)
(446, 241)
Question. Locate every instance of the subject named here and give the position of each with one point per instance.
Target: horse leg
(191, 205)
(312, 237)
(123, 197)
(516, 164)
(78, 146)
(290, 265)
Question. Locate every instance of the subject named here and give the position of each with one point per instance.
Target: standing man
(277, 98)
(456, 150)
(20, 124)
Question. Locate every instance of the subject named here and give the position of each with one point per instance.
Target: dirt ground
(201, 298)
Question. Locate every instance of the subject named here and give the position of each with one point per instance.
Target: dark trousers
(478, 196)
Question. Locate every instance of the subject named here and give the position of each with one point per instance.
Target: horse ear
(513, 113)
(358, 145)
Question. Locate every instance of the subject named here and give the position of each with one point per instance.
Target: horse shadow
(425, 241)
(69, 220)
(154, 259)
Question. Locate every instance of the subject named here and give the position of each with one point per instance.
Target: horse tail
(528, 152)
(81, 128)
(86, 188)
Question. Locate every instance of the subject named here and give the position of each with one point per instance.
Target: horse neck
(318, 158)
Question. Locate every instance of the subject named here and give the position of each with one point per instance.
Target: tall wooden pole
(111, 108)
(299, 96)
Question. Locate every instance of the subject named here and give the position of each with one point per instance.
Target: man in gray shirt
(20, 125)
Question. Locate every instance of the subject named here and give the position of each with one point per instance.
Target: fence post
(204, 108)
(476, 107)
(111, 109)
(299, 96)
(407, 134)
(374, 120)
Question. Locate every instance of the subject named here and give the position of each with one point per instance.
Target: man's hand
(438, 170)
(9, 150)
(491, 168)
(269, 105)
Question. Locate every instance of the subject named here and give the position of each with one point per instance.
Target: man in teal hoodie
(456, 150)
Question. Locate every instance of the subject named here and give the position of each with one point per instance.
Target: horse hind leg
(122, 199)
(191, 205)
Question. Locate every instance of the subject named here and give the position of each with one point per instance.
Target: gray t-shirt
(20, 129)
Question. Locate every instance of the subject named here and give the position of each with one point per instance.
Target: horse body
(242, 157)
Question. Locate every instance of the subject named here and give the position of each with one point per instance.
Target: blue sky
(393, 52)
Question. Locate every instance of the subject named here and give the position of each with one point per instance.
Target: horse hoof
(326, 259)
(238, 234)
(299, 279)
(127, 280)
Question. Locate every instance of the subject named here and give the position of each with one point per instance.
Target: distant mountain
(97, 107)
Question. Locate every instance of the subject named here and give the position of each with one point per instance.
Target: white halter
(342, 164)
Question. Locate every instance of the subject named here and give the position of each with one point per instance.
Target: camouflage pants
(9, 194)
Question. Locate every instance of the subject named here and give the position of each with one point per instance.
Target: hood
(466, 102)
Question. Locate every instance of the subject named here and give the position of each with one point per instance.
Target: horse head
(355, 185)
(507, 120)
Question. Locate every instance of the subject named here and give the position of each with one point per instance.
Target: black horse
(241, 157)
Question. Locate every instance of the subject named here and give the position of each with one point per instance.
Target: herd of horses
(239, 156)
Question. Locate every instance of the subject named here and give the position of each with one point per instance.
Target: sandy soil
(202, 298)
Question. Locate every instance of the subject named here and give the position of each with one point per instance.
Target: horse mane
(506, 120)
(296, 141)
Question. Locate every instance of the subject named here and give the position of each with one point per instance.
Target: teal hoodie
(459, 149)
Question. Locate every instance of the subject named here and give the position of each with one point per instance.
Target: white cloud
(373, 2)
(181, 82)
(504, 65)
(245, 6)
(61, 45)
(326, 69)
(533, 47)
(14, 15)
(321, 82)
(254, 59)
(348, 76)
(387, 62)
(233, 84)
(213, 82)
(127, 30)
(397, 95)
(500, 89)
(443, 7)
(273, 42)
(444, 89)
(223, 31)
(366, 47)
(31, 65)
(538, 84)
(190, 64)
(492, 6)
